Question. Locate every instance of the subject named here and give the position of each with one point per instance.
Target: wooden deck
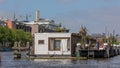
(75, 58)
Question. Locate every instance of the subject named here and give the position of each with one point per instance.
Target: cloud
(94, 19)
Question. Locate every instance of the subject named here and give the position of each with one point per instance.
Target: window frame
(40, 42)
(57, 38)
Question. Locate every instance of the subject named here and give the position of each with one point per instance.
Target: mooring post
(108, 54)
(0, 58)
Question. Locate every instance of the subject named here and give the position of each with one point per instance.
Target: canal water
(7, 61)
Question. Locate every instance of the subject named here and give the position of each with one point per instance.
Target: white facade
(44, 45)
(40, 22)
(45, 22)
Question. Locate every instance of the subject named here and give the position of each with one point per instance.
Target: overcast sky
(94, 14)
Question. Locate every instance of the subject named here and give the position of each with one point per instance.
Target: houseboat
(55, 44)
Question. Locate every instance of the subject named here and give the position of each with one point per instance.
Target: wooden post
(29, 49)
(0, 58)
(17, 52)
(108, 54)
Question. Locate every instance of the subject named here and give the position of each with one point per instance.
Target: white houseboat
(55, 44)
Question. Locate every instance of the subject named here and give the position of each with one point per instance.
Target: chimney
(37, 16)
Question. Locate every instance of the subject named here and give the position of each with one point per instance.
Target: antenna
(113, 36)
(14, 18)
(105, 32)
(27, 16)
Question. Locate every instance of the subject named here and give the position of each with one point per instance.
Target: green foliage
(60, 25)
(117, 43)
(11, 35)
(61, 29)
(5, 34)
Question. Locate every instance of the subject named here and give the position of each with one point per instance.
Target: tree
(21, 36)
(60, 25)
(61, 29)
(83, 32)
(12, 35)
(5, 35)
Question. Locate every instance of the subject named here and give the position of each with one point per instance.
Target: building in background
(2, 23)
(41, 25)
(10, 24)
(36, 27)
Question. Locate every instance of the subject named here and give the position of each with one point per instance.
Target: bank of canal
(7, 61)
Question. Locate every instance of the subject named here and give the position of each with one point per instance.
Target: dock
(99, 53)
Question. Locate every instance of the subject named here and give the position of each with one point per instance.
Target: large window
(54, 44)
(57, 44)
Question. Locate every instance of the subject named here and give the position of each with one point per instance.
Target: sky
(97, 15)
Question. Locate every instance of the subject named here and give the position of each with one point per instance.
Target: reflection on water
(8, 62)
